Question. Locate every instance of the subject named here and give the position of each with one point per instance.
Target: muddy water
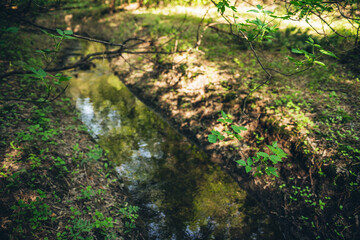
(181, 194)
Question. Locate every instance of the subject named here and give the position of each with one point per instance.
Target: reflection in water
(182, 195)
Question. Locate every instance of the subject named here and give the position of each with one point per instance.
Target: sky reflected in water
(182, 195)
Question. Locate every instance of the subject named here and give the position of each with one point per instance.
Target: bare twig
(328, 24)
(244, 36)
(198, 35)
(88, 58)
(342, 13)
(289, 74)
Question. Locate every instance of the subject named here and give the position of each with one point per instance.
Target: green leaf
(68, 32)
(249, 161)
(320, 63)
(233, 8)
(281, 154)
(242, 128)
(238, 137)
(262, 154)
(283, 17)
(228, 120)
(311, 40)
(46, 51)
(69, 37)
(223, 114)
(235, 128)
(60, 32)
(259, 7)
(272, 149)
(238, 129)
(257, 22)
(291, 58)
(32, 69)
(12, 29)
(248, 169)
(241, 163)
(275, 159)
(212, 138)
(215, 132)
(271, 170)
(42, 73)
(268, 12)
(49, 34)
(328, 53)
(221, 120)
(64, 79)
(253, 10)
(297, 51)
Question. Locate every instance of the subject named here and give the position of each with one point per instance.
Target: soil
(191, 101)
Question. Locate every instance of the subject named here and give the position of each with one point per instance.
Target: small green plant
(258, 138)
(87, 193)
(77, 228)
(77, 154)
(35, 161)
(264, 162)
(130, 213)
(232, 130)
(321, 204)
(14, 180)
(102, 223)
(61, 164)
(34, 214)
(311, 58)
(93, 155)
(302, 193)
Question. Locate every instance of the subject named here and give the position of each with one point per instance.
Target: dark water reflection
(181, 194)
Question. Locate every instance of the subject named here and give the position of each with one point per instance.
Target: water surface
(182, 195)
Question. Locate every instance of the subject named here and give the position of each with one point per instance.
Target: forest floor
(313, 116)
(55, 181)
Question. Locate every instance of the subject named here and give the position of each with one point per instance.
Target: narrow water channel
(181, 194)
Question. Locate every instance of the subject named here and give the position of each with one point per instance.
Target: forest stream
(179, 120)
(180, 192)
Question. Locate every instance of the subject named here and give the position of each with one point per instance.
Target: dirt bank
(190, 96)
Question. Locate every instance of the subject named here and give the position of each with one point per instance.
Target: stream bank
(179, 192)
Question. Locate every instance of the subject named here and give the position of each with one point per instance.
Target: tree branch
(72, 35)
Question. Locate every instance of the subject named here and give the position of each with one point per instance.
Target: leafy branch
(311, 58)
